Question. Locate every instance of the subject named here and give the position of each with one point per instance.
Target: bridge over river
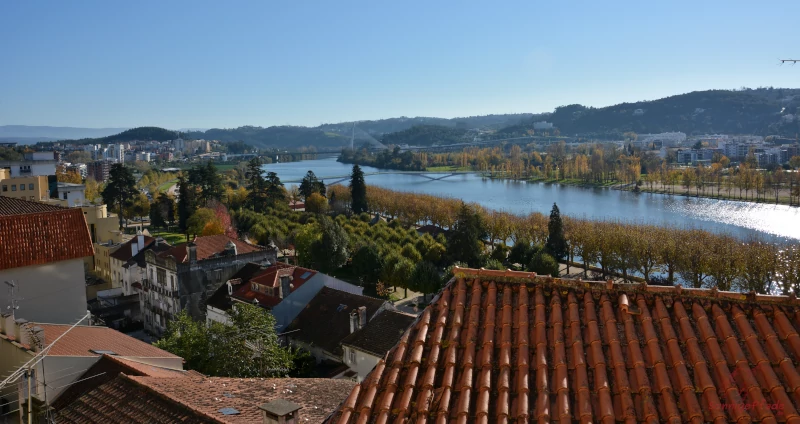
(430, 175)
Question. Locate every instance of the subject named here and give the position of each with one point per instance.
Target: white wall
(213, 314)
(51, 293)
(364, 362)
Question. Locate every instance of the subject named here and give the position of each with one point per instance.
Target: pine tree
(120, 190)
(465, 242)
(274, 193)
(310, 185)
(186, 203)
(556, 241)
(358, 190)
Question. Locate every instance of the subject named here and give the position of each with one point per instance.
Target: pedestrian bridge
(429, 175)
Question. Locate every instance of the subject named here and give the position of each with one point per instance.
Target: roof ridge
(509, 276)
(165, 395)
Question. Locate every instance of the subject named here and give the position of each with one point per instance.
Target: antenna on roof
(12, 286)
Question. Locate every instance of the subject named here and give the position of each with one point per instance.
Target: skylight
(102, 352)
(229, 411)
(305, 275)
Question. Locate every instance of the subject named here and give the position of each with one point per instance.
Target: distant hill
(143, 133)
(376, 129)
(285, 137)
(427, 135)
(763, 111)
(26, 134)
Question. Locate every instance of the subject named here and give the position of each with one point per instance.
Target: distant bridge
(429, 175)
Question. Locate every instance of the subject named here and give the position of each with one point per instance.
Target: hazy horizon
(188, 64)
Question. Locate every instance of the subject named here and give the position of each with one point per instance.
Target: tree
(465, 242)
(68, 176)
(275, 192)
(425, 278)
(367, 264)
(316, 204)
(543, 264)
(311, 184)
(257, 186)
(556, 242)
(248, 347)
(187, 203)
(329, 252)
(156, 217)
(93, 189)
(201, 219)
(120, 189)
(79, 156)
(139, 206)
(358, 190)
(208, 180)
(224, 219)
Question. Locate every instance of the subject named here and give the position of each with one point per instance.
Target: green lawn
(164, 187)
(171, 238)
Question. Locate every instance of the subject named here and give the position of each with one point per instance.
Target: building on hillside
(123, 265)
(67, 359)
(73, 194)
(543, 125)
(326, 320)
(540, 349)
(281, 288)
(183, 277)
(29, 168)
(669, 139)
(42, 251)
(80, 168)
(33, 188)
(136, 399)
(98, 170)
(694, 156)
(40, 156)
(363, 349)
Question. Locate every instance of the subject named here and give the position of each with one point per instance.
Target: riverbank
(784, 197)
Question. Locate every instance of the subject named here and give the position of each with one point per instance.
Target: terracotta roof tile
(506, 346)
(207, 247)
(81, 339)
(33, 234)
(138, 399)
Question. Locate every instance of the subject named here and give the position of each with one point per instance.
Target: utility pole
(30, 400)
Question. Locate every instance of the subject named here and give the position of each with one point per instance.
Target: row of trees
(699, 258)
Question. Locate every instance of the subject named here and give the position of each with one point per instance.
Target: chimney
(37, 339)
(286, 288)
(192, 252)
(362, 316)
(134, 249)
(20, 332)
(279, 411)
(353, 321)
(140, 240)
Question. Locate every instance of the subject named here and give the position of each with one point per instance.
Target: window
(172, 282)
(254, 287)
(352, 353)
(5, 187)
(22, 187)
(30, 186)
(13, 187)
(65, 196)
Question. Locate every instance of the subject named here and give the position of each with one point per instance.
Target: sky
(205, 64)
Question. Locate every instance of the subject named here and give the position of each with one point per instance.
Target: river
(742, 219)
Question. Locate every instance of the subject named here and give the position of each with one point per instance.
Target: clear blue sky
(216, 63)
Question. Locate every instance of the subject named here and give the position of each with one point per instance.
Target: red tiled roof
(81, 339)
(318, 397)
(270, 277)
(208, 246)
(13, 206)
(501, 346)
(124, 401)
(124, 252)
(47, 236)
(107, 368)
(325, 321)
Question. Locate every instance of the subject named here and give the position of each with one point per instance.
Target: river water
(742, 219)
